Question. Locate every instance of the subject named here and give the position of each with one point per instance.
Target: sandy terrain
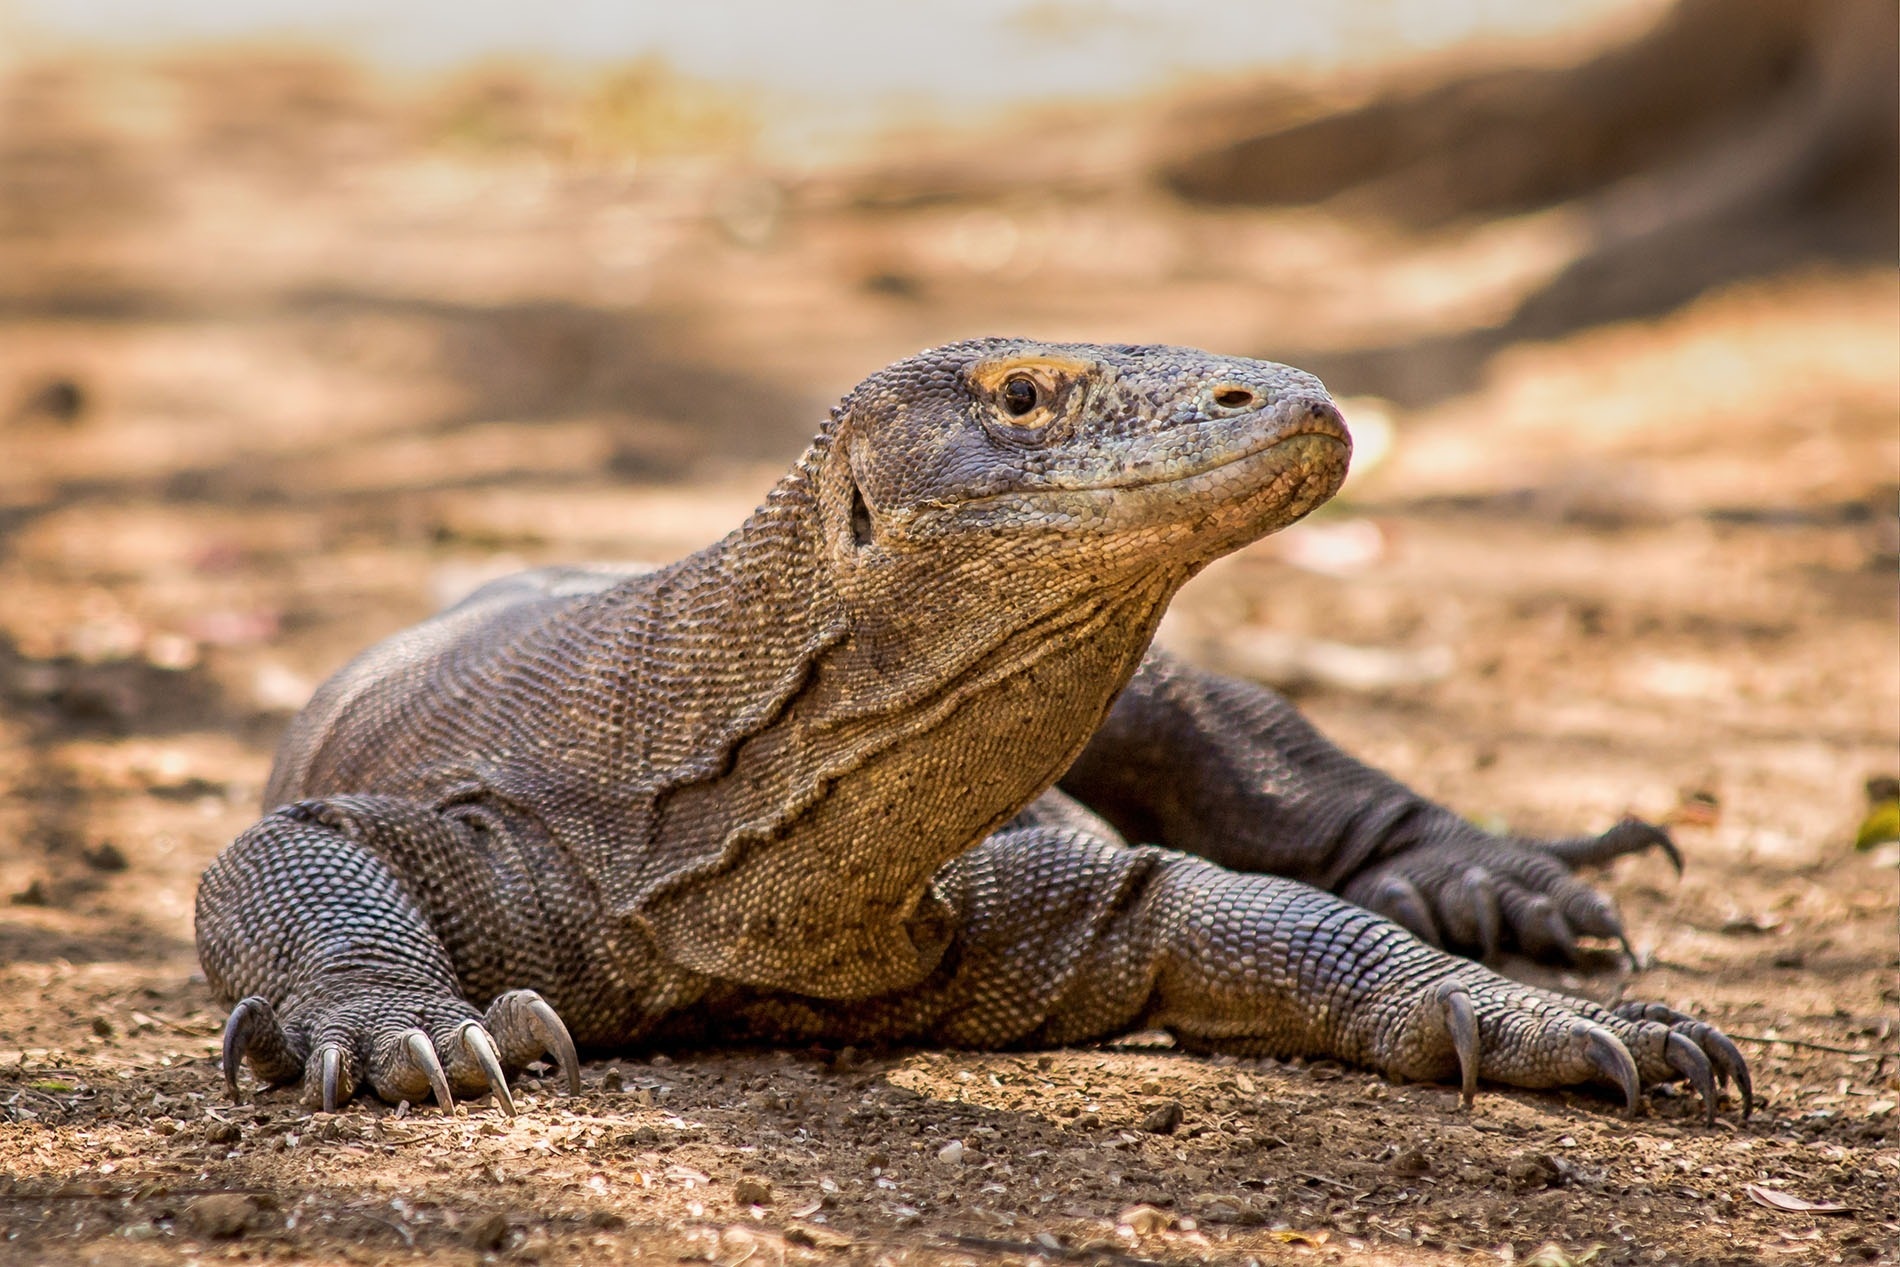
(267, 395)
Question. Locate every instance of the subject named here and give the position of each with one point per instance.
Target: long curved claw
(1632, 835)
(1594, 915)
(331, 1059)
(1689, 1060)
(1728, 1061)
(481, 1049)
(1461, 1023)
(559, 1042)
(252, 1033)
(1630, 957)
(237, 1038)
(1612, 1059)
(524, 1026)
(422, 1052)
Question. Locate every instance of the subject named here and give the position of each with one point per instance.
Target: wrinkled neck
(708, 651)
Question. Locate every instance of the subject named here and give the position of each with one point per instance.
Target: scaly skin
(801, 784)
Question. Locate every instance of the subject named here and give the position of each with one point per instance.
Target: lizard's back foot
(1481, 1025)
(1478, 894)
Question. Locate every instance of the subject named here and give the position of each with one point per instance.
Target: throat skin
(909, 732)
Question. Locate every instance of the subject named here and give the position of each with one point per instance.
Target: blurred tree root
(1735, 138)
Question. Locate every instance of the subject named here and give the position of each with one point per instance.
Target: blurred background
(314, 315)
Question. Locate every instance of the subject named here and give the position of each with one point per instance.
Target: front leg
(1230, 771)
(329, 923)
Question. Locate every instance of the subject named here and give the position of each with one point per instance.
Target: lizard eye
(1020, 395)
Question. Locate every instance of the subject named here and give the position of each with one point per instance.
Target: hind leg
(1062, 936)
(1232, 772)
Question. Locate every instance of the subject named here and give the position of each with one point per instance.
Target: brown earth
(283, 365)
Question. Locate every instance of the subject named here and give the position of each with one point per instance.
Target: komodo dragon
(868, 769)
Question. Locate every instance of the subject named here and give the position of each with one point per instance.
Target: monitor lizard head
(1095, 455)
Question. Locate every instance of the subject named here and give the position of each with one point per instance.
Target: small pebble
(221, 1216)
(1533, 1170)
(1411, 1161)
(1164, 1119)
(752, 1192)
(1222, 1209)
(951, 1154)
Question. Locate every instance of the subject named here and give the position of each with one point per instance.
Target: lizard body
(803, 784)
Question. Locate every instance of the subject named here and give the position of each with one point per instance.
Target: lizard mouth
(1317, 423)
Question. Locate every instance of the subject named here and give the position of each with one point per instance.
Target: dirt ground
(278, 377)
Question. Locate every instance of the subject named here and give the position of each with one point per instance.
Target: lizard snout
(1311, 416)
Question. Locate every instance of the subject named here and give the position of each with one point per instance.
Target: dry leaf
(1788, 1203)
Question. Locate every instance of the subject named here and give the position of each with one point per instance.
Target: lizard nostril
(1234, 398)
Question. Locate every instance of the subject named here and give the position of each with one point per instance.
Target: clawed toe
(526, 1028)
(1460, 1019)
(1610, 1058)
(1688, 1060)
(335, 1085)
(252, 1033)
(1400, 901)
(1530, 1038)
(1475, 900)
(1723, 1056)
(1542, 929)
(1727, 1059)
(481, 1049)
(1483, 896)
(422, 1058)
(1631, 835)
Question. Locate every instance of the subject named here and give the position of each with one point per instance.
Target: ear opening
(861, 529)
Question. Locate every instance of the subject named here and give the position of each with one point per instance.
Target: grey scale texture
(870, 768)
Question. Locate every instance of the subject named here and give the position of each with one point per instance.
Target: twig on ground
(1802, 1042)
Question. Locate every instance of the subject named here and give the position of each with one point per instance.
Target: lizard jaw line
(1324, 429)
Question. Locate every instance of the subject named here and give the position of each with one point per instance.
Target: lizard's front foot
(1477, 1024)
(1475, 893)
(406, 1046)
